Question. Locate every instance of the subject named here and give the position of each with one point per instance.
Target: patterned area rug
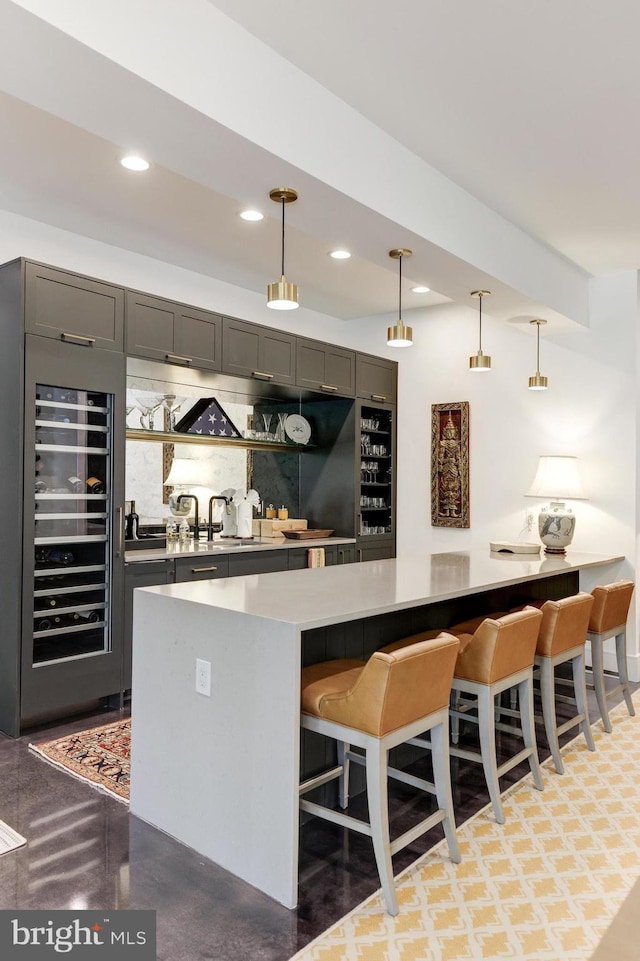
(100, 756)
(544, 886)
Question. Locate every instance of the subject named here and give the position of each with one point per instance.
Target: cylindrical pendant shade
(480, 362)
(538, 382)
(400, 335)
(281, 295)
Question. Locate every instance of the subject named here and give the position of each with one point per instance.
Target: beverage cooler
(73, 526)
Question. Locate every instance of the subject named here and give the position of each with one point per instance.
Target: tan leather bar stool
(376, 706)
(562, 638)
(496, 657)
(609, 619)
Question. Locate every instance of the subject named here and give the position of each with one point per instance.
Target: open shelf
(178, 437)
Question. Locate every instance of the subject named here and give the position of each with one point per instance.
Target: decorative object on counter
(101, 757)
(309, 534)
(274, 528)
(171, 529)
(245, 504)
(282, 295)
(400, 335)
(315, 557)
(557, 478)
(480, 361)
(513, 547)
(270, 512)
(283, 513)
(450, 465)
(207, 417)
(297, 428)
(538, 382)
(184, 531)
(183, 476)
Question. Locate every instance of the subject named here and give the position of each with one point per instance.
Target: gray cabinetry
(258, 562)
(139, 574)
(201, 568)
(375, 480)
(172, 332)
(72, 308)
(325, 367)
(261, 353)
(346, 554)
(376, 378)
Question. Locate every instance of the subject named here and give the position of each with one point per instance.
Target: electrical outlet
(203, 677)
(530, 520)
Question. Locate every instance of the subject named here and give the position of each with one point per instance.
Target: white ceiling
(530, 107)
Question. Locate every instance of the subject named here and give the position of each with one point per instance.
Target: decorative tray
(306, 535)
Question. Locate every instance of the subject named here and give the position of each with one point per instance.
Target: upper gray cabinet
(325, 367)
(261, 353)
(376, 378)
(72, 308)
(173, 332)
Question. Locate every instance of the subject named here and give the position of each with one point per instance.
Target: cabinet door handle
(261, 374)
(202, 570)
(179, 358)
(119, 522)
(328, 387)
(359, 554)
(77, 338)
(378, 397)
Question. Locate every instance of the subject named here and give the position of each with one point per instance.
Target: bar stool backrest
(500, 647)
(564, 624)
(611, 606)
(394, 690)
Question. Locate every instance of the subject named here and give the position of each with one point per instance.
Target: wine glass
(169, 404)
(267, 425)
(147, 405)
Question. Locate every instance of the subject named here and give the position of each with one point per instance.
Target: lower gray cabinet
(201, 568)
(142, 574)
(346, 554)
(379, 552)
(258, 562)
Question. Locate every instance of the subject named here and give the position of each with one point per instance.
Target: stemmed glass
(267, 425)
(281, 436)
(169, 404)
(147, 407)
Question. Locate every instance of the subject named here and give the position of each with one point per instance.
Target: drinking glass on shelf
(147, 406)
(281, 436)
(267, 426)
(169, 404)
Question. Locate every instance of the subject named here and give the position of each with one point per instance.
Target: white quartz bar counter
(312, 598)
(229, 546)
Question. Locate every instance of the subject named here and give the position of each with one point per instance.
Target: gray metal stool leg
(621, 658)
(580, 693)
(486, 724)
(548, 695)
(377, 799)
(343, 783)
(597, 667)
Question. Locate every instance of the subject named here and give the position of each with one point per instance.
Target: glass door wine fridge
(73, 534)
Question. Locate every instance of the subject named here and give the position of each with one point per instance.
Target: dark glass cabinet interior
(73, 478)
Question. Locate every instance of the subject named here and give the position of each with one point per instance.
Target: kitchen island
(220, 772)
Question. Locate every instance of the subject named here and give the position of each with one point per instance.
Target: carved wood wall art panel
(450, 465)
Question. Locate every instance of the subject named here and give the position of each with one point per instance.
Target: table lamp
(557, 478)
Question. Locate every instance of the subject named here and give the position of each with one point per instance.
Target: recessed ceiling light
(252, 215)
(135, 163)
(340, 254)
(420, 290)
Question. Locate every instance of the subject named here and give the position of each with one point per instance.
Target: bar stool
(609, 619)
(376, 706)
(496, 657)
(562, 638)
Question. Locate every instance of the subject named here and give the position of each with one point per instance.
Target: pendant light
(480, 361)
(281, 295)
(400, 335)
(538, 382)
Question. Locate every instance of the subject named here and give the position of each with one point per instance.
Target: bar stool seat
(562, 638)
(498, 656)
(609, 619)
(374, 707)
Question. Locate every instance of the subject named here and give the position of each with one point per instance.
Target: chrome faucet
(216, 497)
(182, 497)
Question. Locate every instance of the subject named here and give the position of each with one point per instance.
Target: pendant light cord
(538, 351)
(480, 326)
(400, 289)
(282, 271)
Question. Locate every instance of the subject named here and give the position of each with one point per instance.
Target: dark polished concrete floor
(86, 851)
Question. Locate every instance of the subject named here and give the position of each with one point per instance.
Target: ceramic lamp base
(556, 526)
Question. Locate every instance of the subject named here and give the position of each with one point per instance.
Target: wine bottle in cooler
(95, 485)
(47, 623)
(75, 484)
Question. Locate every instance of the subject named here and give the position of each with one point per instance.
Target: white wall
(589, 410)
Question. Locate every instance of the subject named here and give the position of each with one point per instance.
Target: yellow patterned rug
(543, 886)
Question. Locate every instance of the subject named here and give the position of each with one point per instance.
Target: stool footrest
(572, 722)
(436, 818)
(411, 779)
(345, 820)
(324, 778)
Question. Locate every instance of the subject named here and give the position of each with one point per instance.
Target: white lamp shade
(184, 473)
(557, 478)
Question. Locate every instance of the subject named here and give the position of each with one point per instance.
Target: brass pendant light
(399, 335)
(480, 361)
(281, 295)
(538, 382)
